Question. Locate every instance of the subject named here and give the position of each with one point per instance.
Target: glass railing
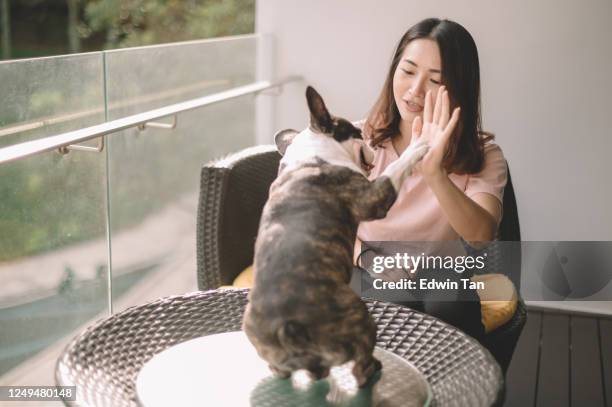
(53, 256)
(84, 234)
(153, 174)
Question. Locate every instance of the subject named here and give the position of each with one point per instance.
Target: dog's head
(332, 139)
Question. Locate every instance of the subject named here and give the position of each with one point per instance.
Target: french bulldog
(302, 313)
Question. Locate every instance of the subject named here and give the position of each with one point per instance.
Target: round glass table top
(225, 370)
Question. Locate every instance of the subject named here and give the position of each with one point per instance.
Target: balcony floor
(562, 360)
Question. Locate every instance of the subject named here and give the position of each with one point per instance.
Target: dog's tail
(293, 335)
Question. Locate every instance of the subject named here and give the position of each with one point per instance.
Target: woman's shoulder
(494, 165)
(492, 176)
(493, 152)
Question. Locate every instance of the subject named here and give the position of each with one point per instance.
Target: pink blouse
(416, 215)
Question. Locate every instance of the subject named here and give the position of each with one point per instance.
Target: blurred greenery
(31, 28)
(129, 23)
(50, 201)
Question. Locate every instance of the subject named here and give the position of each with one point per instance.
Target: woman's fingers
(452, 123)
(417, 127)
(444, 114)
(438, 106)
(428, 109)
(436, 123)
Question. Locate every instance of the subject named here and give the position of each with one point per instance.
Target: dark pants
(458, 307)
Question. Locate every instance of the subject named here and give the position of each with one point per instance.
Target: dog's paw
(415, 154)
(417, 150)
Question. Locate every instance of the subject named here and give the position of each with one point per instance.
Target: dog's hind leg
(280, 372)
(318, 371)
(366, 365)
(365, 368)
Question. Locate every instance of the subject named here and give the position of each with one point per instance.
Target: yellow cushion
(498, 300)
(244, 280)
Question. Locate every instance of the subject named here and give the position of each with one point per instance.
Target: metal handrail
(63, 140)
(63, 118)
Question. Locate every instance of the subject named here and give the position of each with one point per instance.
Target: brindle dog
(302, 314)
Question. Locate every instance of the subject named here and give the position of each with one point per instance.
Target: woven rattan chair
(233, 192)
(104, 361)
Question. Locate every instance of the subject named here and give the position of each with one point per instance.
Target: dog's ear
(320, 119)
(283, 138)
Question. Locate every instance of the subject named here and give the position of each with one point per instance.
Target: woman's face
(418, 71)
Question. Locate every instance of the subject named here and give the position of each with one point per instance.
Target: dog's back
(302, 314)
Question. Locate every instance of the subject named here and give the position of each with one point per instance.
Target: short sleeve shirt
(416, 215)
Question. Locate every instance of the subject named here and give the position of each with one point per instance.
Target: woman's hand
(436, 128)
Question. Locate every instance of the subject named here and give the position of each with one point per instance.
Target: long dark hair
(460, 75)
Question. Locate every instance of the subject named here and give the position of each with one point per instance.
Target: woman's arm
(474, 219)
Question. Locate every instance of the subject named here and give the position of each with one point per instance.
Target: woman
(432, 90)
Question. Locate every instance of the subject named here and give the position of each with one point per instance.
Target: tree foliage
(141, 22)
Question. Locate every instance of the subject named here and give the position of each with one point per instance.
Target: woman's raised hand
(436, 128)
